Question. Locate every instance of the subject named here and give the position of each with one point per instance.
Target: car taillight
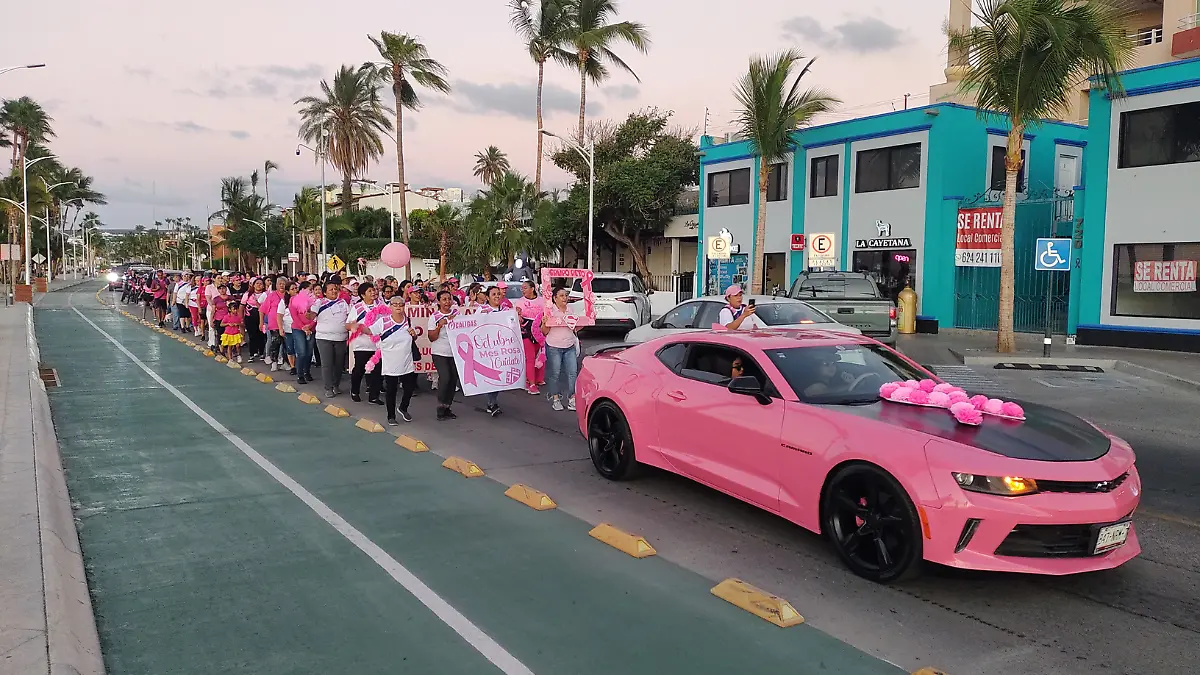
(627, 300)
(892, 313)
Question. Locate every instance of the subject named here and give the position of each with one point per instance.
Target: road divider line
(455, 620)
(534, 499)
(630, 544)
(758, 602)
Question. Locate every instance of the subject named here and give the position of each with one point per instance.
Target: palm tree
(406, 65)
(27, 121)
(306, 212)
(773, 106)
(444, 224)
(544, 34)
(1027, 58)
(504, 213)
(354, 115)
(592, 37)
(491, 164)
(254, 181)
(268, 167)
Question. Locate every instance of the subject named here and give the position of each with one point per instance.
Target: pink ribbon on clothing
(466, 349)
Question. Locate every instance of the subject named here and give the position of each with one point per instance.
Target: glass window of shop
(1156, 280)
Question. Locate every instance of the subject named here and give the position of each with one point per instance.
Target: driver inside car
(829, 379)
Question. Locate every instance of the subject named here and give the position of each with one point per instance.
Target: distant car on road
(791, 421)
(853, 298)
(622, 300)
(702, 313)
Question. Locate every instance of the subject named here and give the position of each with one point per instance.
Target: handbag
(416, 352)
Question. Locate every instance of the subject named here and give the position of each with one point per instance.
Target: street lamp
(323, 155)
(24, 206)
(588, 153)
(49, 256)
(388, 192)
(12, 68)
(264, 229)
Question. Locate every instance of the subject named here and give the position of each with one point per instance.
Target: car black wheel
(872, 523)
(609, 442)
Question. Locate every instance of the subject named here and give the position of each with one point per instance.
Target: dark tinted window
(777, 180)
(710, 313)
(824, 180)
(842, 374)
(727, 188)
(999, 170)
(672, 356)
(714, 364)
(682, 316)
(833, 286)
(1166, 135)
(893, 168)
(604, 285)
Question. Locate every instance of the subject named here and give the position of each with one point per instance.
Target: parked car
(622, 300)
(853, 298)
(800, 431)
(701, 314)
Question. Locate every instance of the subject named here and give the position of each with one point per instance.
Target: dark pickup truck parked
(851, 298)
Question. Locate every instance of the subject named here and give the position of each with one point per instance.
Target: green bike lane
(200, 561)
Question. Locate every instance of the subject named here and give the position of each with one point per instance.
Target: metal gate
(977, 289)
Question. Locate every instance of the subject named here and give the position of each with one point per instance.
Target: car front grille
(1048, 541)
(1077, 487)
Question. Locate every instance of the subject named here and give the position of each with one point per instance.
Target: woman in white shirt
(443, 355)
(332, 315)
(735, 315)
(362, 347)
(396, 361)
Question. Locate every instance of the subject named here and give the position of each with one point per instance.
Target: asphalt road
(1141, 618)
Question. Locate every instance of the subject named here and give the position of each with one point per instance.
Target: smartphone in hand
(751, 303)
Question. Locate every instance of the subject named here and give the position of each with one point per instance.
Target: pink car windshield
(840, 374)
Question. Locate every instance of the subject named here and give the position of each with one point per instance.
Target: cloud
(864, 35)
(240, 135)
(190, 127)
(309, 72)
(271, 82)
(623, 92)
(144, 73)
(517, 100)
(93, 122)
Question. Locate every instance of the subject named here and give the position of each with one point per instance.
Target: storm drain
(49, 376)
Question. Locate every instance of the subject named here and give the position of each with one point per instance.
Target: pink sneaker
(533, 390)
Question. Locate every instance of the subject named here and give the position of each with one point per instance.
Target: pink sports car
(792, 422)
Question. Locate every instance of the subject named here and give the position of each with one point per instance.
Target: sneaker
(337, 391)
(493, 410)
(239, 358)
(404, 415)
(571, 404)
(392, 422)
(449, 415)
(269, 361)
(274, 367)
(328, 393)
(355, 397)
(377, 401)
(533, 390)
(291, 371)
(556, 404)
(542, 383)
(301, 381)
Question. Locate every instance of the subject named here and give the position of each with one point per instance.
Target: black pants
(447, 379)
(391, 384)
(257, 340)
(360, 369)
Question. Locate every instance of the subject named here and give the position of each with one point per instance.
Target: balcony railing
(1147, 36)
(1189, 22)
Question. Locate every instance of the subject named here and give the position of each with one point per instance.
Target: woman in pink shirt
(303, 338)
(529, 309)
(562, 350)
(275, 351)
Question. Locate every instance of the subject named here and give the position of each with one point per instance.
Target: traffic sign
(294, 257)
(718, 248)
(1052, 255)
(822, 250)
(797, 242)
(39, 258)
(335, 264)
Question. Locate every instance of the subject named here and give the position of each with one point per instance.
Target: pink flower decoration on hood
(939, 398)
(993, 406)
(927, 385)
(945, 386)
(901, 394)
(958, 396)
(967, 415)
(919, 396)
(888, 389)
(1012, 409)
(912, 384)
(978, 400)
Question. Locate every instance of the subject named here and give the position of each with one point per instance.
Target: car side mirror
(657, 324)
(748, 385)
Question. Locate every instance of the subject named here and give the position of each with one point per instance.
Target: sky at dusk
(159, 100)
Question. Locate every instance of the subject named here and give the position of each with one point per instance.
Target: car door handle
(677, 395)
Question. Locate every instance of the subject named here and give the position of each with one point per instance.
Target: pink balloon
(395, 255)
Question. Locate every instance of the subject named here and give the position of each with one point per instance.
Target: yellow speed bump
(234, 365)
(929, 671)
(411, 444)
(758, 602)
(209, 352)
(336, 411)
(248, 371)
(198, 348)
(534, 499)
(369, 425)
(220, 359)
(285, 388)
(264, 378)
(308, 398)
(463, 466)
(632, 544)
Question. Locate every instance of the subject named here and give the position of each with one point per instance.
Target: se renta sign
(977, 241)
(1168, 276)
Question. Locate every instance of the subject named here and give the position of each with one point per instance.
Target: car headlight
(112, 276)
(1007, 486)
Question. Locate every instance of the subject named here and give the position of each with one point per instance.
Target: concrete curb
(1158, 376)
(1108, 364)
(74, 644)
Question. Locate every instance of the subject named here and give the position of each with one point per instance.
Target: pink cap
(733, 290)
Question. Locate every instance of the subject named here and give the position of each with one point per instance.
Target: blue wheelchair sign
(1052, 255)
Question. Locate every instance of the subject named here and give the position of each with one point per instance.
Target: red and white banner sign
(1171, 276)
(977, 242)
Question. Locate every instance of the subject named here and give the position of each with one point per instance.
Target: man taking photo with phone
(735, 315)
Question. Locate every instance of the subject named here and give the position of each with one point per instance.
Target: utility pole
(906, 101)
(705, 120)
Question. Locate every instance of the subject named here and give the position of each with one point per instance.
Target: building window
(996, 182)
(1167, 135)
(1156, 280)
(824, 182)
(777, 189)
(894, 168)
(728, 188)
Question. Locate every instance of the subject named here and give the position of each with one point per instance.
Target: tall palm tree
(268, 167)
(406, 65)
(505, 211)
(491, 164)
(444, 225)
(773, 106)
(1027, 58)
(592, 37)
(306, 212)
(354, 115)
(254, 181)
(544, 33)
(27, 122)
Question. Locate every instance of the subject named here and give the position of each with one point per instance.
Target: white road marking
(485, 645)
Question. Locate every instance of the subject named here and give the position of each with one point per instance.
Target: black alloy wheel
(872, 524)
(610, 443)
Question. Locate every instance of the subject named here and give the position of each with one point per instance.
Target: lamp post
(25, 207)
(588, 153)
(12, 68)
(322, 154)
(264, 229)
(49, 256)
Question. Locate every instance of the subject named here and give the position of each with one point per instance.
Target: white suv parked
(622, 300)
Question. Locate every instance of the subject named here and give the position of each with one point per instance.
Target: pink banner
(588, 318)
(488, 351)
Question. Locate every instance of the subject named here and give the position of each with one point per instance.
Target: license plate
(1111, 536)
(603, 309)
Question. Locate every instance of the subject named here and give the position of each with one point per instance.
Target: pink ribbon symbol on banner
(466, 349)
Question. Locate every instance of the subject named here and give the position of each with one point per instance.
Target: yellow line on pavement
(1170, 518)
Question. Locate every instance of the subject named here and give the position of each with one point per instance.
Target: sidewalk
(46, 622)
(978, 348)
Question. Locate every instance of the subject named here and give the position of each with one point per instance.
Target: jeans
(393, 383)
(565, 362)
(493, 399)
(175, 316)
(360, 369)
(447, 379)
(302, 345)
(275, 351)
(333, 360)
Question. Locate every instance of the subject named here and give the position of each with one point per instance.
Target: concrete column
(674, 255)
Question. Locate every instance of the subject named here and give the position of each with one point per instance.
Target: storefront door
(891, 269)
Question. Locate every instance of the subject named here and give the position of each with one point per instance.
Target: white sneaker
(239, 358)
(556, 404)
(571, 404)
(269, 361)
(274, 367)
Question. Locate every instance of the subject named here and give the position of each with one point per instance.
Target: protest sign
(418, 318)
(573, 320)
(488, 351)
